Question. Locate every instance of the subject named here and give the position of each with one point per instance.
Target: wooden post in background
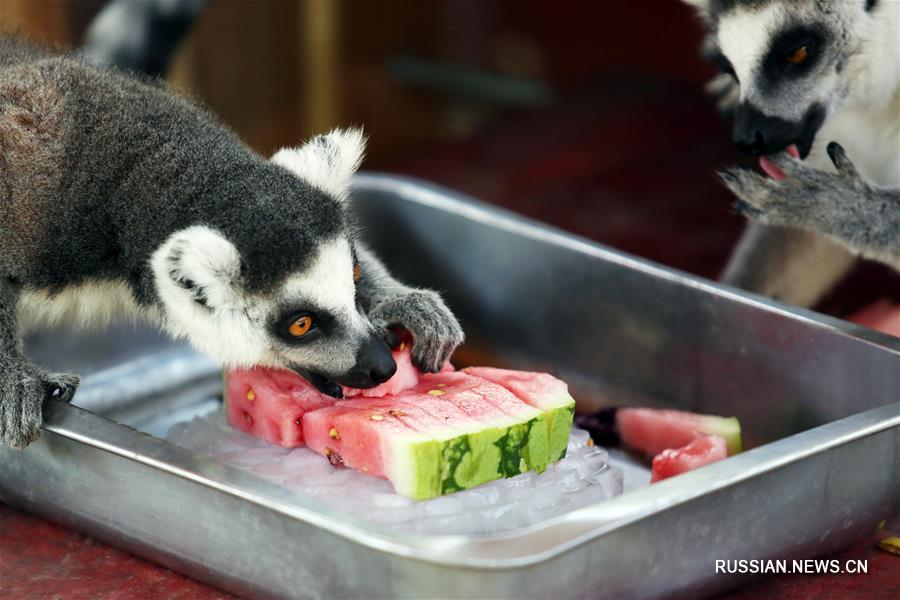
(318, 43)
(42, 20)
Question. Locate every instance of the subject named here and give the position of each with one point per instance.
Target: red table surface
(41, 560)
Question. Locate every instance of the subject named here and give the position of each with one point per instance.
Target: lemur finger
(748, 186)
(748, 210)
(391, 338)
(21, 416)
(30, 419)
(841, 161)
(61, 386)
(423, 354)
(792, 167)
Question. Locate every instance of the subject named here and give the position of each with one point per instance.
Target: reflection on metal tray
(818, 397)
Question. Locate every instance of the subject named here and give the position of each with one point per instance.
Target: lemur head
(270, 276)
(795, 61)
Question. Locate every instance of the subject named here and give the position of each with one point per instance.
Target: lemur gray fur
(822, 75)
(119, 197)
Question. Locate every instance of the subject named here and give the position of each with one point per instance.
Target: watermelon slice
(703, 450)
(652, 430)
(542, 391)
(428, 434)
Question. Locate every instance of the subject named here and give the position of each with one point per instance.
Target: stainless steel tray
(818, 397)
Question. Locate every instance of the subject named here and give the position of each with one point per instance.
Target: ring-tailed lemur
(117, 196)
(810, 78)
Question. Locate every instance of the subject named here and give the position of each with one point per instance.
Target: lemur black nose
(756, 133)
(382, 373)
(375, 360)
(753, 143)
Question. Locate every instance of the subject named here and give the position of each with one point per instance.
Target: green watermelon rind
(728, 428)
(491, 450)
(415, 472)
(442, 462)
(560, 415)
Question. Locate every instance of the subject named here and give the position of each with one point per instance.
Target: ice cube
(445, 505)
(390, 501)
(578, 438)
(569, 482)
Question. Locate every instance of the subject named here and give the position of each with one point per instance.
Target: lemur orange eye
(798, 56)
(357, 272)
(301, 326)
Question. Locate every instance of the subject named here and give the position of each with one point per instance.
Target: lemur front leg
(843, 206)
(23, 387)
(388, 303)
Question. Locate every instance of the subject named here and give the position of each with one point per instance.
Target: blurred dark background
(587, 115)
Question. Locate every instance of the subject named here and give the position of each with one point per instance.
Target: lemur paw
(807, 198)
(436, 332)
(23, 391)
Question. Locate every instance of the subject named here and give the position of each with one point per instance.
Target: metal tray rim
(423, 192)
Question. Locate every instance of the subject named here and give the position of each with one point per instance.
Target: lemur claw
(745, 209)
(23, 391)
(60, 386)
(435, 331)
(391, 339)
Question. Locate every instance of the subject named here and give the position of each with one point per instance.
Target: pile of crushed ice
(583, 478)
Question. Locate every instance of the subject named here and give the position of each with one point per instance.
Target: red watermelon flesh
(653, 430)
(703, 450)
(269, 404)
(882, 315)
(345, 434)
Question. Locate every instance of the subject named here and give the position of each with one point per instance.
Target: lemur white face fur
(311, 322)
(796, 63)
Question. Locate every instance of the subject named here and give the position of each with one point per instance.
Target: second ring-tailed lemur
(117, 196)
(805, 80)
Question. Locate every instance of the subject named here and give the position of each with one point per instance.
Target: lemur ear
(198, 264)
(327, 161)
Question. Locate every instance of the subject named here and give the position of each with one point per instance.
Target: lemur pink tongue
(771, 169)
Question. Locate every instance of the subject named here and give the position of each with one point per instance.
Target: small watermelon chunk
(653, 430)
(703, 450)
(406, 376)
(269, 404)
(545, 393)
(883, 315)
